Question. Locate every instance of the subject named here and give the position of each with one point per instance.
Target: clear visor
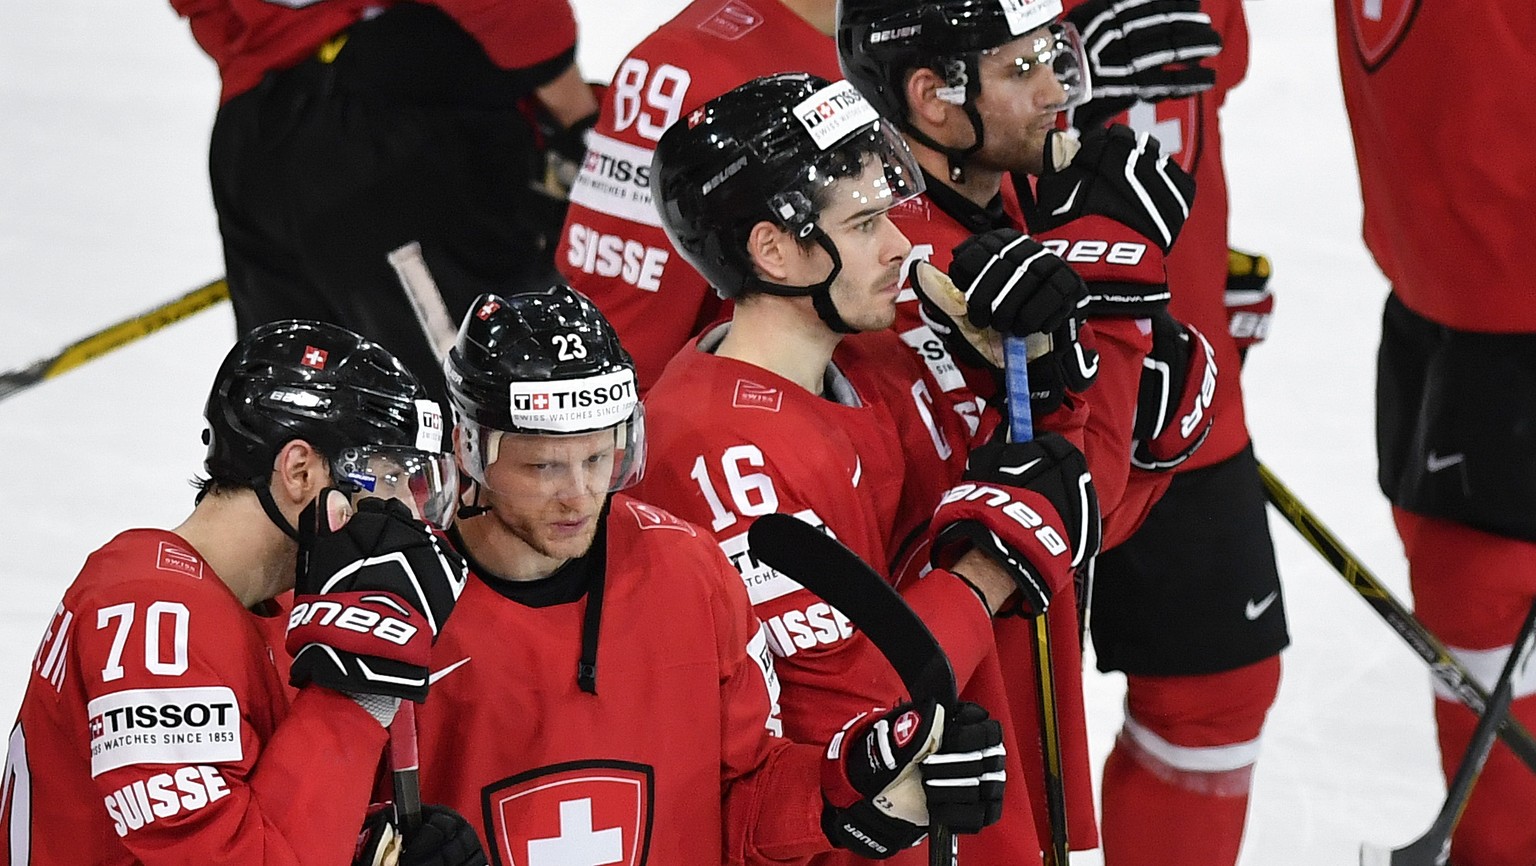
(427, 483)
(551, 466)
(873, 170)
(1060, 48)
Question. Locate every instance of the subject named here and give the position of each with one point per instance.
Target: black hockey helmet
(879, 42)
(346, 396)
(769, 150)
(542, 363)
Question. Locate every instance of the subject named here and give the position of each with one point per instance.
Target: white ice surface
(104, 211)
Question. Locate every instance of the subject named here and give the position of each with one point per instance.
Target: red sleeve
(194, 753)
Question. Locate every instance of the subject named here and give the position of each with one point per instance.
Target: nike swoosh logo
(439, 674)
(1019, 470)
(1434, 463)
(1067, 205)
(1253, 610)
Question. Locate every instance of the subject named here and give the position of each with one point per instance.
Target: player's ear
(773, 251)
(926, 110)
(299, 473)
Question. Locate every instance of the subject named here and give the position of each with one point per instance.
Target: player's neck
(979, 185)
(821, 14)
(242, 546)
(783, 336)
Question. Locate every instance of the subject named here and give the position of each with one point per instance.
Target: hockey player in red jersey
(1437, 104)
(978, 87)
(158, 726)
(604, 693)
(415, 114)
(1188, 607)
(806, 403)
(613, 248)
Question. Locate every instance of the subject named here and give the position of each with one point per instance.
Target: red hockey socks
(1473, 589)
(1176, 783)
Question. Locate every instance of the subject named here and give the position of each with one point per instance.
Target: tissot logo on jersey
(574, 405)
(164, 726)
(615, 179)
(164, 795)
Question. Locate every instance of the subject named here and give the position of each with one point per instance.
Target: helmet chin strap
(820, 293)
(263, 487)
(474, 509)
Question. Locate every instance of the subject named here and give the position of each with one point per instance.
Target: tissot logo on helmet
(574, 405)
(832, 112)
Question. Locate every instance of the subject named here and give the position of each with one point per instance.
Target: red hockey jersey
(156, 728)
(1439, 105)
(730, 441)
(671, 761)
(249, 38)
(613, 249)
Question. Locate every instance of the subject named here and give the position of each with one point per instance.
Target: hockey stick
(404, 767)
(112, 337)
(1021, 428)
(824, 566)
(1434, 847)
(1446, 668)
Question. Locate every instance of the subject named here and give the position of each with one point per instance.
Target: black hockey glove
(1120, 175)
(883, 773)
(1013, 285)
(1057, 366)
(444, 838)
(1142, 49)
(1030, 507)
(1068, 367)
(963, 780)
(1112, 209)
(370, 599)
(1173, 406)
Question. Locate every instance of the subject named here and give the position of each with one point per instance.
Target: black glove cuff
(867, 831)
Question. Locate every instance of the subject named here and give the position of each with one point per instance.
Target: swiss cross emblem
(314, 357)
(486, 310)
(906, 725)
(540, 402)
(585, 813)
(696, 118)
(1378, 27)
(1175, 123)
(98, 726)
